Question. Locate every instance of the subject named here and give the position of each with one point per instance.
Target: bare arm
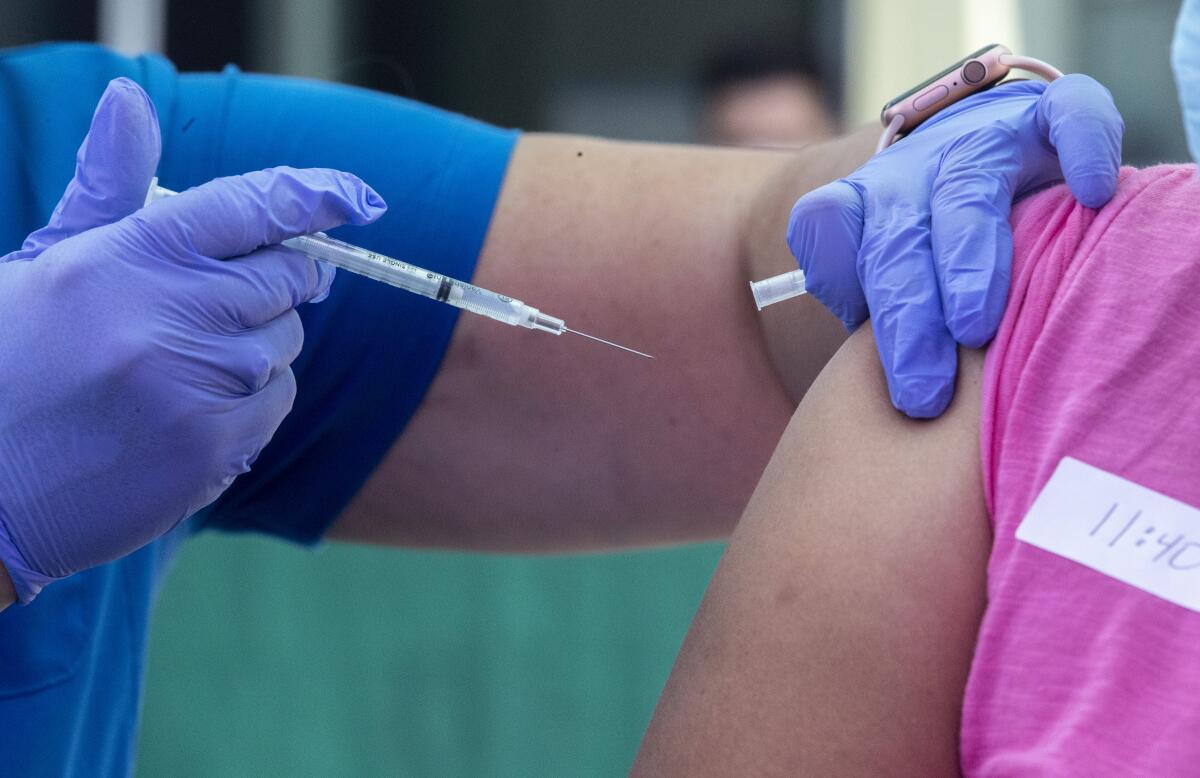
(837, 632)
(526, 442)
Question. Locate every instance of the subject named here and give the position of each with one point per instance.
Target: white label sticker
(1119, 528)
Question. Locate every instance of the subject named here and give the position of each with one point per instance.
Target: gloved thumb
(113, 168)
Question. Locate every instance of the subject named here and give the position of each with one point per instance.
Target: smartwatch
(975, 72)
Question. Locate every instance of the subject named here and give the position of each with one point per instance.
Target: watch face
(974, 72)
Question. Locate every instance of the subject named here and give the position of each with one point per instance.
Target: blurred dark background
(523, 63)
(628, 68)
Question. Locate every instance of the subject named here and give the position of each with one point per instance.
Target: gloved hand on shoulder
(918, 239)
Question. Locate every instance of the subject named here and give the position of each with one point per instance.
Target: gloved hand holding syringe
(426, 283)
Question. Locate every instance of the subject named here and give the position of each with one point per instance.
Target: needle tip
(609, 343)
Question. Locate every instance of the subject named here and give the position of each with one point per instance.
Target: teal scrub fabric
(71, 663)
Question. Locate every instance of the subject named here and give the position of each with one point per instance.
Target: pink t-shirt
(1098, 358)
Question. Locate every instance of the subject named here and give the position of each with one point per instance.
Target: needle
(609, 343)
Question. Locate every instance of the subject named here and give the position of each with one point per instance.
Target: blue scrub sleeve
(370, 351)
(47, 95)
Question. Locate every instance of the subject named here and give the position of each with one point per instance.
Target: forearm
(8, 595)
(529, 443)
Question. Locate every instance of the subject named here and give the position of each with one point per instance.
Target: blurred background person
(765, 92)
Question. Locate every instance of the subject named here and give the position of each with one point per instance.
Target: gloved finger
(824, 233)
(113, 168)
(1079, 118)
(328, 273)
(263, 285)
(260, 415)
(253, 357)
(229, 217)
(970, 201)
(917, 352)
(1018, 90)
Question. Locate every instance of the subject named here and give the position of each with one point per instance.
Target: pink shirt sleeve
(1097, 358)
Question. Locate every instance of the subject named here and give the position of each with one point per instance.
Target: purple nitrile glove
(918, 238)
(140, 372)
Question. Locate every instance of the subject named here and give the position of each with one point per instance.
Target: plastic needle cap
(777, 288)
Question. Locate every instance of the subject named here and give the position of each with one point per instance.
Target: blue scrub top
(71, 662)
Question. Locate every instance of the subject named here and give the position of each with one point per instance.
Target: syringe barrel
(486, 303)
(367, 263)
(411, 278)
(419, 281)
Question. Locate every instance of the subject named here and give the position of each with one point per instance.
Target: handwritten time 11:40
(1115, 526)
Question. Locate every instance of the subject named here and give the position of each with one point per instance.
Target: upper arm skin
(836, 635)
(528, 442)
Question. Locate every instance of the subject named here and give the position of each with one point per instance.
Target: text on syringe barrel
(413, 279)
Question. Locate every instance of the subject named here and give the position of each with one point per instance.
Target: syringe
(426, 283)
